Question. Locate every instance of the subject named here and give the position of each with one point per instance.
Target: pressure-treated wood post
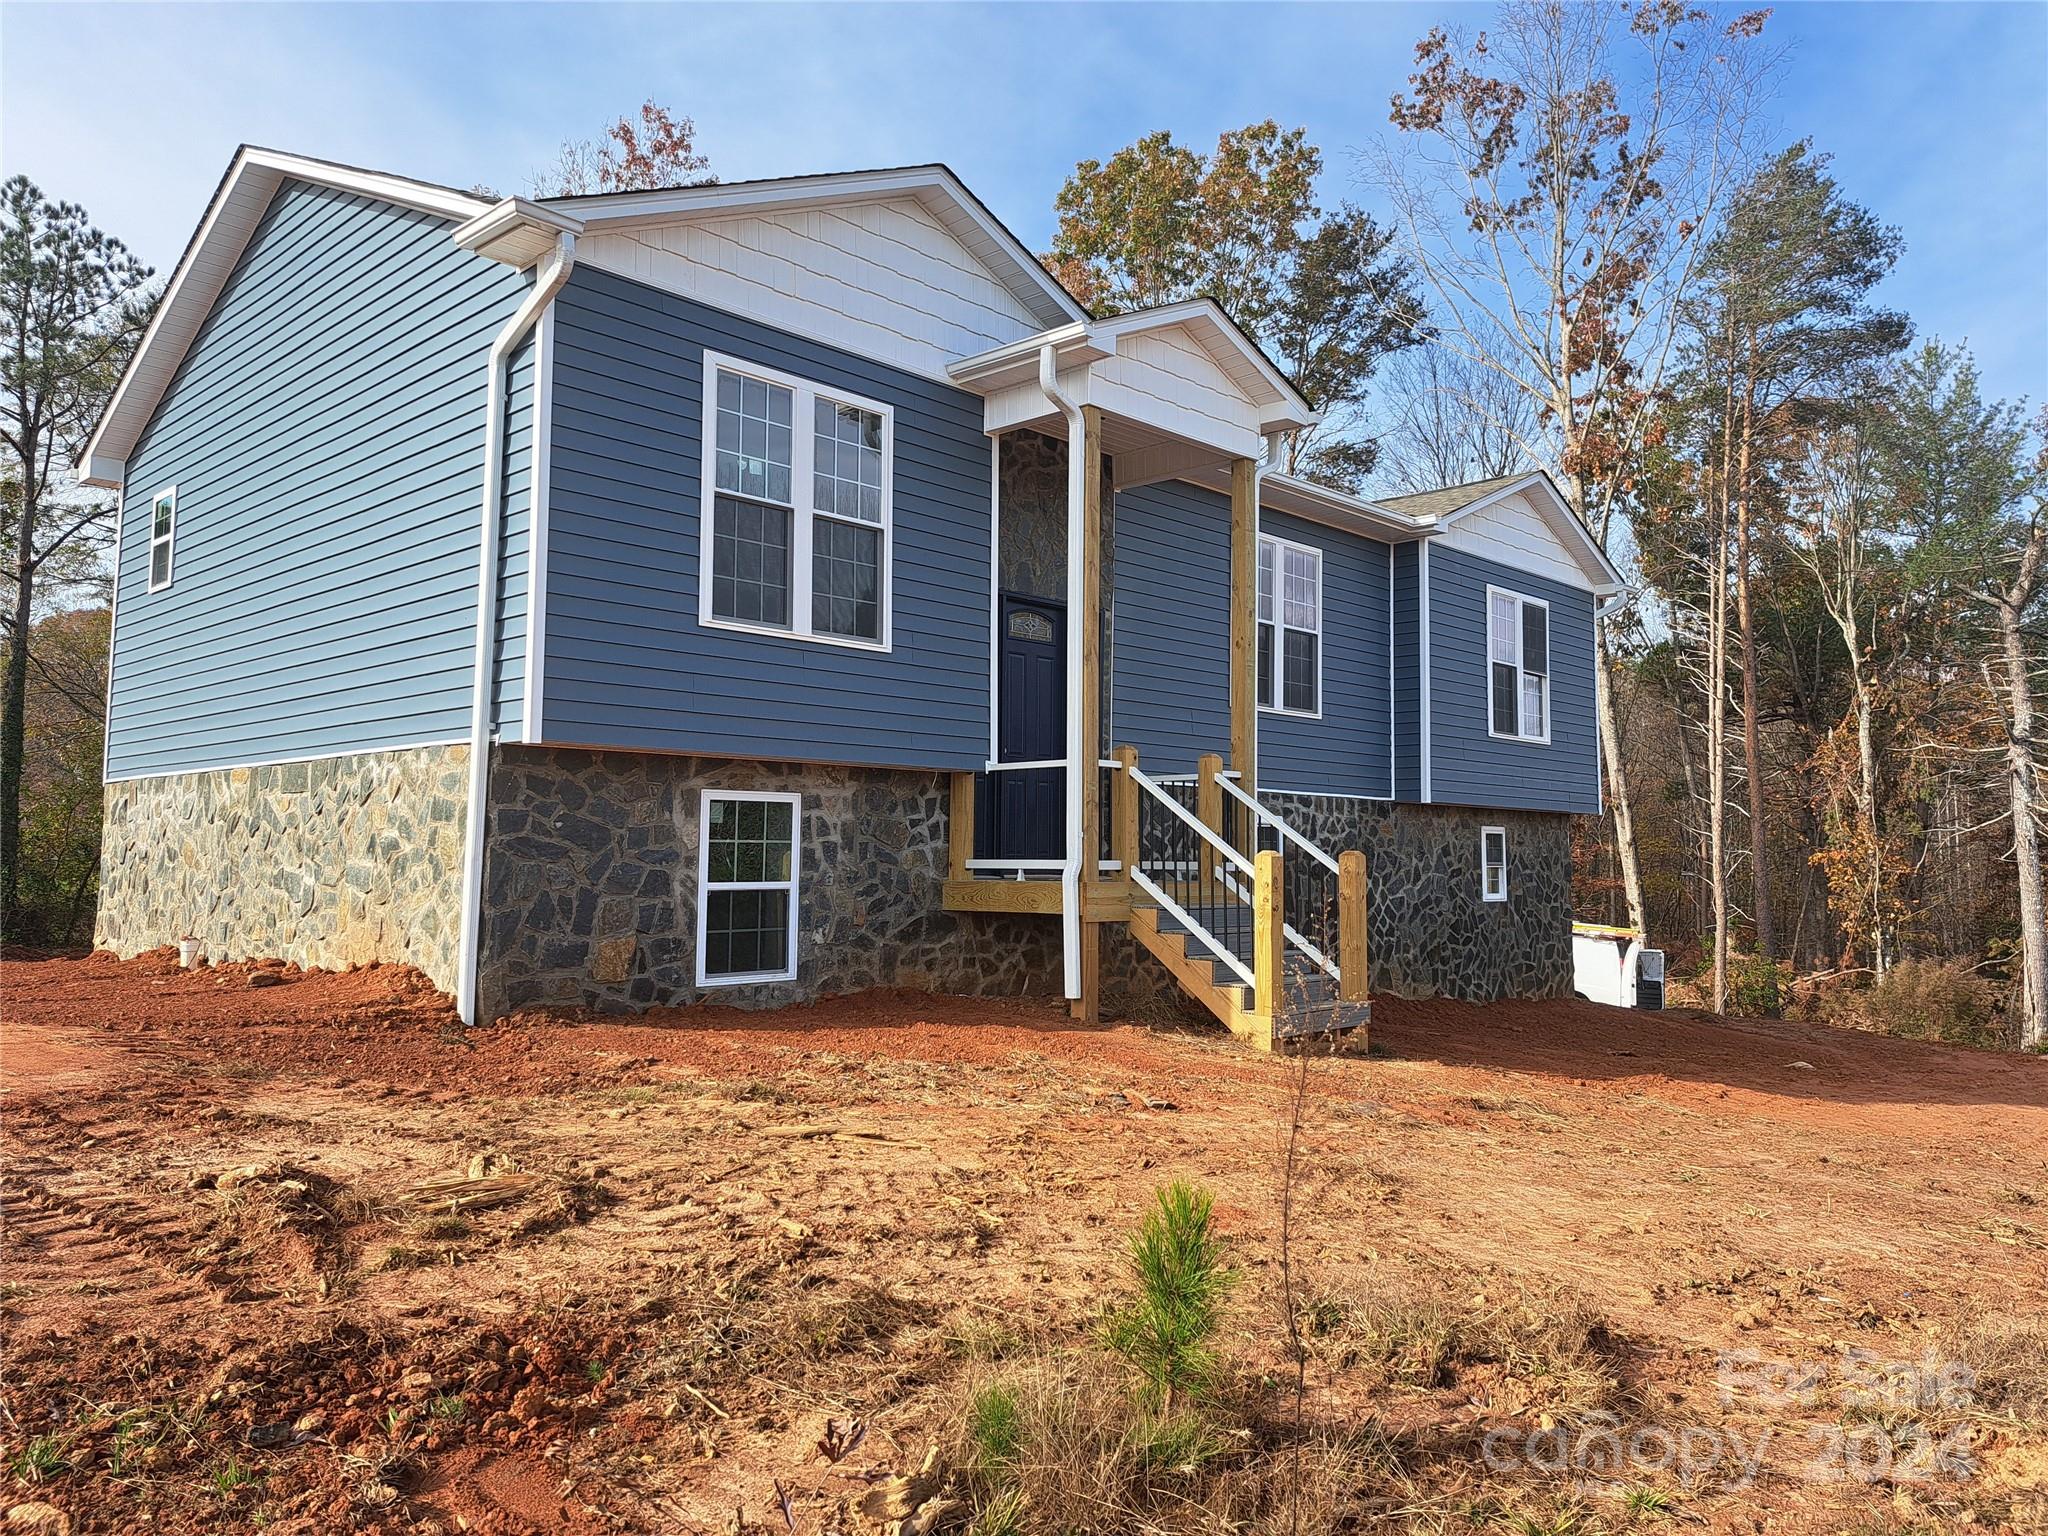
(1269, 941)
(1209, 811)
(1244, 624)
(1123, 799)
(960, 827)
(1351, 961)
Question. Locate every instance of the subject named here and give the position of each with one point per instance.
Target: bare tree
(1838, 518)
(1555, 185)
(1449, 421)
(659, 150)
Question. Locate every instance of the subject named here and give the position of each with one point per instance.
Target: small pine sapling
(1182, 1277)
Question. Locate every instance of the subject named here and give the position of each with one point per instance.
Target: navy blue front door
(1025, 811)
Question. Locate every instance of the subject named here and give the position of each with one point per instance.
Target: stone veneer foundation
(334, 862)
(591, 882)
(590, 890)
(1427, 932)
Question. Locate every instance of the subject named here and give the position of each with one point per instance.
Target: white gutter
(547, 283)
(1080, 755)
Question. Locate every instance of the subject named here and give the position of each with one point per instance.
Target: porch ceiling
(1139, 453)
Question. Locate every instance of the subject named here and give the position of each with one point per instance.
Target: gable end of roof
(210, 256)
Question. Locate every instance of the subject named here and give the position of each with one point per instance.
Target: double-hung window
(163, 528)
(1518, 661)
(1290, 627)
(796, 507)
(746, 887)
(1493, 864)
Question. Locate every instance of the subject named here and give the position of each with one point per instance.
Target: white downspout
(1080, 759)
(546, 285)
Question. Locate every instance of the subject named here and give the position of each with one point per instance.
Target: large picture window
(797, 507)
(747, 887)
(1518, 665)
(1290, 627)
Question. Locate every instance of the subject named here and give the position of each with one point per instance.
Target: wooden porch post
(1244, 624)
(1269, 946)
(960, 827)
(1209, 810)
(1087, 627)
(1123, 797)
(1353, 985)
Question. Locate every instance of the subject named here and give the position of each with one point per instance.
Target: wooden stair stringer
(1195, 974)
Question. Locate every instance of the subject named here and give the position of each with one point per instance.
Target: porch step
(1309, 1007)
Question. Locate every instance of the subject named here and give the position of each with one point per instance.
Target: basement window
(1518, 666)
(747, 887)
(163, 525)
(1493, 863)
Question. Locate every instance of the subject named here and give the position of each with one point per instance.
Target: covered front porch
(1064, 821)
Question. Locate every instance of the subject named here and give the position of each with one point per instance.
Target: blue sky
(1937, 114)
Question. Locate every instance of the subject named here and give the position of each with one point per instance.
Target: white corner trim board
(1422, 656)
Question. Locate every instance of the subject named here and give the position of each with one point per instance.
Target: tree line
(1819, 697)
(1574, 249)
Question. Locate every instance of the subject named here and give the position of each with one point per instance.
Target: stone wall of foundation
(1427, 931)
(335, 862)
(590, 892)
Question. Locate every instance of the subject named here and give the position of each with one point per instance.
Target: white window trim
(1280, 627)
(169, 541)
(1486, 639)
(1484, 834)
(796, 844)
(802, 453)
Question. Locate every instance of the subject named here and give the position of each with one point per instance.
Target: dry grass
(2008, 1361)
(1423, 1327)
(821, 1342)
(1058, 1440)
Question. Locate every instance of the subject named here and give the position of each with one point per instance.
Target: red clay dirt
(579, 1274)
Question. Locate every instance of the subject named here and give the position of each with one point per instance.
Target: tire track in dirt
(95, 1244)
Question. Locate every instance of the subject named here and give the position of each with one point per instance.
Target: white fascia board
(516, 232)
(1074, 345)
(1605, 579)
(934, 185)
(101, 471)
(231, 217)
(1320, 504)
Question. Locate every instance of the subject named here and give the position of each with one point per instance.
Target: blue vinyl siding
(1467, 765)
(325, 433)
(627, 663)
(1170, 668)
(1349, 750)
(1408, 671)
